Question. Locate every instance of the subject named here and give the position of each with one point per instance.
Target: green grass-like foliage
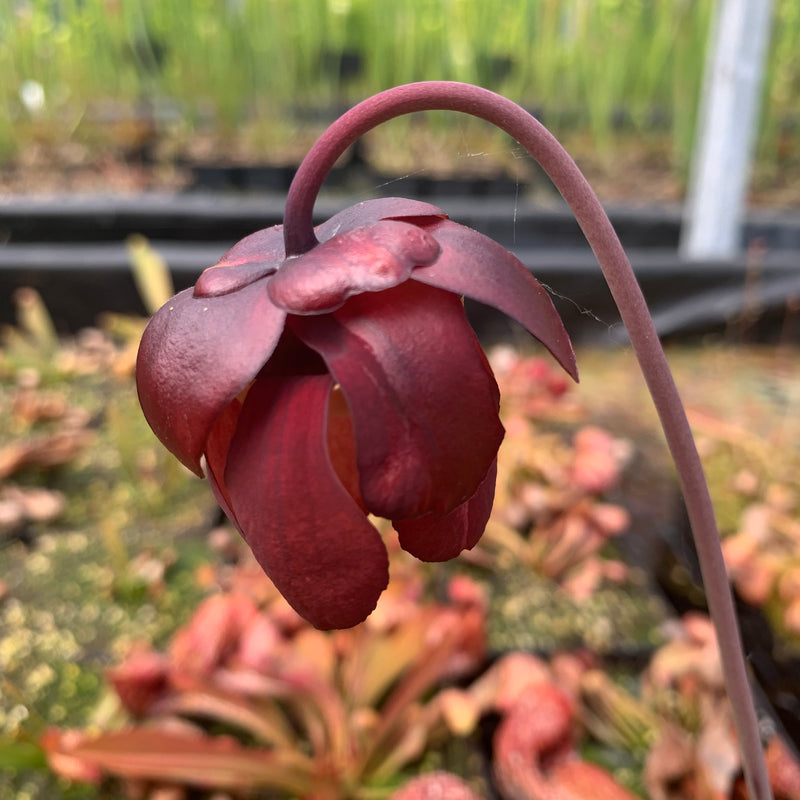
(225, 67)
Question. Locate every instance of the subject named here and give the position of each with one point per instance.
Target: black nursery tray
(71, 249)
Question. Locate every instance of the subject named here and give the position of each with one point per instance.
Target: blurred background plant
(246, 80)
(250, 697)
(139, 643)
(86, 499)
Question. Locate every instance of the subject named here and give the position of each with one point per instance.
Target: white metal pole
(728, 120)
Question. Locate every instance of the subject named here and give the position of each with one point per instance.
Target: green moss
(529, 612)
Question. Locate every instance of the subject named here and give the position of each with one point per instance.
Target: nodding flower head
(343, 382)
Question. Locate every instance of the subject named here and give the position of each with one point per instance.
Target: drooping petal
(442, 537)
(367, 259)
(196, 355)
(423, 399)
(254, 257)
(305, 530)
(474, 265)
(370, 211)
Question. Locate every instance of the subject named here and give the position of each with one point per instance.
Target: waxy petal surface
(303, 527)
(423, 400)
(442, 537)
(368, 259)
(370, 211)
(250, 259)
(474, 265)
(196, 355)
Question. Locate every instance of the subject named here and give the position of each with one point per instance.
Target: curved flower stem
(568, 179)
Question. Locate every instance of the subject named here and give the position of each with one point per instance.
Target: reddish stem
(568, 179)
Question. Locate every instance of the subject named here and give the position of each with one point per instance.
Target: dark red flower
(341, 382)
